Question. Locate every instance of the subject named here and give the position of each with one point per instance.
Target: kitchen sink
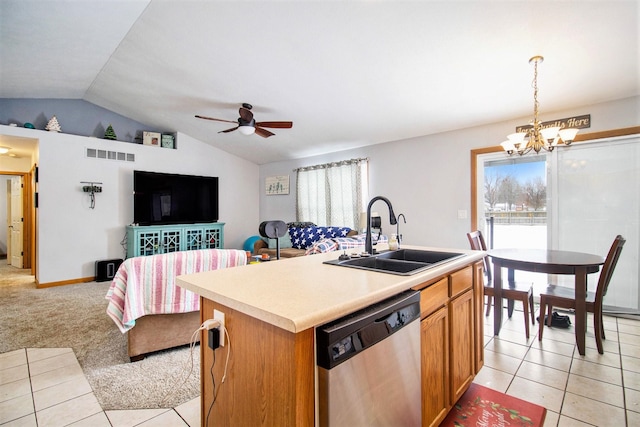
(403, 262)
(416, 255)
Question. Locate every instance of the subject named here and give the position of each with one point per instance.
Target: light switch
(462, 214)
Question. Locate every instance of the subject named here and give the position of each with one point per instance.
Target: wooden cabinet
(434, 330)
(449, 335)
(161, 239)
(478, 299)
(461, 344)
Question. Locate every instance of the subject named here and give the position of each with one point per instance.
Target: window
(333, 193)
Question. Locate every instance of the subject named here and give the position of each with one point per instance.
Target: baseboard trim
(65, 282)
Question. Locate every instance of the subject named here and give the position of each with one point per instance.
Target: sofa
(146, 303)
(300, 239)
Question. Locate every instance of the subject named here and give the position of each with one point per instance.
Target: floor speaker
(106, 269)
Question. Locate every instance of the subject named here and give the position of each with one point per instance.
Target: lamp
(246, 130)
(539, 138)
(4, 150)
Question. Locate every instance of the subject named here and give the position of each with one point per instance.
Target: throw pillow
(306, 237)
(302, 237)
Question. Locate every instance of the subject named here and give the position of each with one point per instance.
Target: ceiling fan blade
(246, 114)
(280, 125)
(228, 130)
(217, 120)
(263, 132)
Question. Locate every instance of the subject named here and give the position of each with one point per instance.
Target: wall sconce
(92, 189)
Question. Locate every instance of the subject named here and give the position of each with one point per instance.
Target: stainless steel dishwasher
(369, 365)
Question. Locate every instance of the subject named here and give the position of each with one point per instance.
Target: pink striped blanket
(147, 284)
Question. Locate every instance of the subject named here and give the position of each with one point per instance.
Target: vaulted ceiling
(347, 73)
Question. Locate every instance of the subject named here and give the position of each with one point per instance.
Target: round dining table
(547, 261)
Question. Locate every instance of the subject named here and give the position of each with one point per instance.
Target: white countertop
(299, 293)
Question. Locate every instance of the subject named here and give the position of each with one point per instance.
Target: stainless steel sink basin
(429, 257)
(403, 262)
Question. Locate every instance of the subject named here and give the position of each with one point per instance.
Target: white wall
(72, 236)
(428, 178)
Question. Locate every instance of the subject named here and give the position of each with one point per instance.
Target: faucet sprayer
(368, 246)
(398, 235)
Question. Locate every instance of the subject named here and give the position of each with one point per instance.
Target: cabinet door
(147, 242)
(434, 335)
(462, 354)
(478, 306)
(193, 239)
(171, 239)
(212, 238)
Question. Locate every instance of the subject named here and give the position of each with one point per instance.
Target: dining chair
(559, 296)
(514, 292)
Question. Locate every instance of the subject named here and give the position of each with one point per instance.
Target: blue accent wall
(75, 116)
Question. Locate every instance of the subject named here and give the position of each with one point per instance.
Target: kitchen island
(271, 311)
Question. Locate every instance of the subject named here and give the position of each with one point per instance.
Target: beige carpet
(75, 316)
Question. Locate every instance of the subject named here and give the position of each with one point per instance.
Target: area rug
(75, 316)
(482, 406)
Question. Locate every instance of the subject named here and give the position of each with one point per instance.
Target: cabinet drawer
(461, 280)
(434, 297)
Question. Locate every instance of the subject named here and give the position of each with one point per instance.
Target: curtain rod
(332, 164)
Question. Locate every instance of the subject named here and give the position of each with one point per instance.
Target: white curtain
(332, 194)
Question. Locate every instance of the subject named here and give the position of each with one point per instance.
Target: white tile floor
(591, 390)
(46, 387)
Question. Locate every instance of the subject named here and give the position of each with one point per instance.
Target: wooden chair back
(609, 266)
(476, 240)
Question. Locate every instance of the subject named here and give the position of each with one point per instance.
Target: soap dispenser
(393, 243)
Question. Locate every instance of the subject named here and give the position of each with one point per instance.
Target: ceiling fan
(247, 125)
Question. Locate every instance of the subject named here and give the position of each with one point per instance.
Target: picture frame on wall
(277, 185)
(151, 138)
(168, 141)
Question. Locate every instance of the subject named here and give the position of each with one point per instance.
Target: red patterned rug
(481, 406)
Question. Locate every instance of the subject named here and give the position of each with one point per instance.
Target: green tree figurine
(109, 133)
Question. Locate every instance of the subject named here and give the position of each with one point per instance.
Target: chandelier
(537, 138)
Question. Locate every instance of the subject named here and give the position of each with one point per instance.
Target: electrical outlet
(219, 316)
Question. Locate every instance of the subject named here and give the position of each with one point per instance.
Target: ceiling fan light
(247, 130)
(568, 135)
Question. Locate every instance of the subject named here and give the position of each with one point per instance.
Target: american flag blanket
(342, 243)
(147, 284)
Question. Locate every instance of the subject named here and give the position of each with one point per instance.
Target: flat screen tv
(164, 198)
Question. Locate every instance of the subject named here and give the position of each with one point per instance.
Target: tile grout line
(33, 400)
(624, 394)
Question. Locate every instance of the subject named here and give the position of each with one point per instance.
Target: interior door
(16, 222)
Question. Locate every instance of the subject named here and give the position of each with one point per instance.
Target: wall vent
(110, 155)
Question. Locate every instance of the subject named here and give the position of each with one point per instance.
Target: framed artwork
(167, 141)
(278, 184)
(151, 138)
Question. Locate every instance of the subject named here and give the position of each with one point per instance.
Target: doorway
(512, 200)
(592, 195)
(19, 220)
